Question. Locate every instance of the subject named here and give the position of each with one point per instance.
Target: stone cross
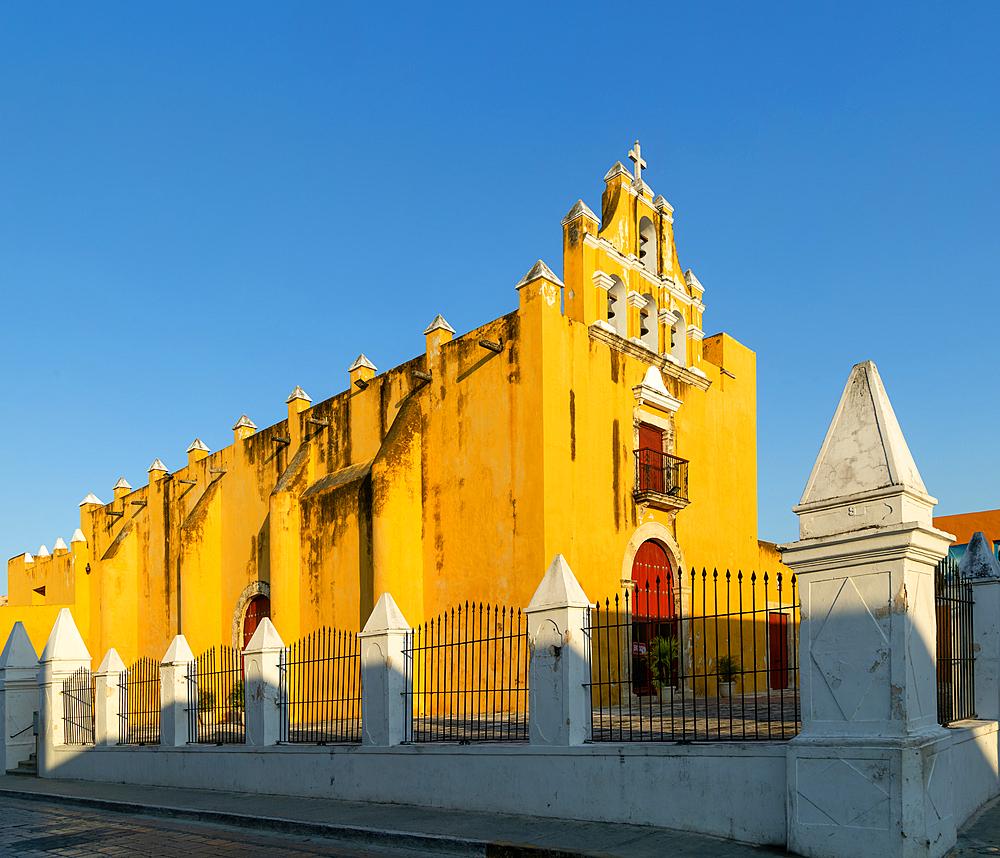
(640, 165)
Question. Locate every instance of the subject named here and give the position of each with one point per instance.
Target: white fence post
(18, 696)
(174, 693)
(559, 671)
(64, 654)
(107, 729)
(979, 565)
(383, 675)
(263, 702)
(870, 773)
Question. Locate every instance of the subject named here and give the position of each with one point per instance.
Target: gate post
(979, 566)
(263, 707)
(107, 727)
(870, 773)
(384, 675)
(174, 693)
(18, 696)
(64, 654)
(559, 668)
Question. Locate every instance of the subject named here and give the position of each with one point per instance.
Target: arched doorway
(258, 608)
(653, 611)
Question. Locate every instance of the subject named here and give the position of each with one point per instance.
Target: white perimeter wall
(733, 790)
(974, 767)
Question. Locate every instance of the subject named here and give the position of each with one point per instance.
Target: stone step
(28, 767)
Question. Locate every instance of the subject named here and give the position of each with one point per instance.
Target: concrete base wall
(735, 790)
(974, 766)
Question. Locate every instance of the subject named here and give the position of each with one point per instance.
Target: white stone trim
(602, 280)
(653, 391)
(257, 588)
(660, 533)
(634, 299)
(695, 333)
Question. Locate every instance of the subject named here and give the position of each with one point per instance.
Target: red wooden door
(652, 608)
(259, 607)
(777, 632)
(650, 459)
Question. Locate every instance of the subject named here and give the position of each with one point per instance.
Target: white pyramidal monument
(870, 773)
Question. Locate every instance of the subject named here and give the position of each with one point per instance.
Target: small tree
(660, 657)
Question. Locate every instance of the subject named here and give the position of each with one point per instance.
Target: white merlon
(539, 271)
(386, 616)
(661, 203)
(265, 637)
(78, 536)
(122, 484)
(558, 589)
(112, 664)
(28, 558)
(439, 324)
(65, 642)
(156, 466)
(18, 651)
(979, 561)
(42, 552)
(864, 449)
(60, 545)
(91, 498)
(617, 170)
(243, 423)
(580, 209)
(197, 444)
(362, 363)
(298, 393)
(693, 282)
(654, 391)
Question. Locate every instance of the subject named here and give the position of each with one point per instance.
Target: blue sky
(203, 205)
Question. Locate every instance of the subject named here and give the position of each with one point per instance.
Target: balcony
(661, 480)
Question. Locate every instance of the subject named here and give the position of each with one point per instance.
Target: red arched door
(653, 612)
(259, 607)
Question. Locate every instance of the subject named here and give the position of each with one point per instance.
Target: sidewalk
(389, 826)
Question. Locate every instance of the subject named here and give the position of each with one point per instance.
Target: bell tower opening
(617, 315)
(647, 246)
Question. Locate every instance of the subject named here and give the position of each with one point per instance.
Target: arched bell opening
(648, 257)
(678, 339)
(649, 324)
(617, 313)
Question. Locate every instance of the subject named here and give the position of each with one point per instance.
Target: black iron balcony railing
(661, 477)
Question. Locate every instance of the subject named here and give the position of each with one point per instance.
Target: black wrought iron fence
(139, 703)
(216, 698)
(78, 708)
(467, 677)
(715, 659)
(956, 661)
(320, 688)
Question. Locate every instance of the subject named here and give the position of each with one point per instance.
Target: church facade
(594, 421)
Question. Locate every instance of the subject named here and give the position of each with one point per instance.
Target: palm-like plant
(660, 657)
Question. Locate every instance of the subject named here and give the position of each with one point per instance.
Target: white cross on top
(640, 165)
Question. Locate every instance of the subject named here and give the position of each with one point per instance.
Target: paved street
(30, 828)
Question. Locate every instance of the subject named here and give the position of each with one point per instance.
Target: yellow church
(594, 421)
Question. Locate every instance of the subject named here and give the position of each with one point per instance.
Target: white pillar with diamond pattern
(870, 772)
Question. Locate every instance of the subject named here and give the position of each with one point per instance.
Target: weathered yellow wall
(458, 489)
